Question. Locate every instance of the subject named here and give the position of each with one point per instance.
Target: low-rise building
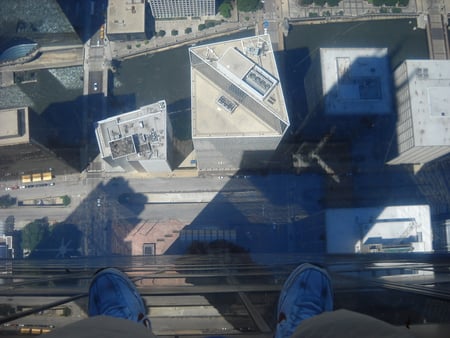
(126, 20)
(368, 230)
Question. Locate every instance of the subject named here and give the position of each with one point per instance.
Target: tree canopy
(56, 241)
(7, 201)
(35, 232)
(225, 9)
(248, 5)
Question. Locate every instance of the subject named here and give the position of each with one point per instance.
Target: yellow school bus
(26, 178)
(47, 176)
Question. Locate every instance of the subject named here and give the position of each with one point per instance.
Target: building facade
(24, 146)
(423, 111)
(140, 140)
(238, 110)
(163, 9)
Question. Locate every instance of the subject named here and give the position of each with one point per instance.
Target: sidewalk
(119, 50)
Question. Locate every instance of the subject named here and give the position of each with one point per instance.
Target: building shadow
(86, 17)
(96, 227)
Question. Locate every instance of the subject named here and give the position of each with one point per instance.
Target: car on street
(95, 86)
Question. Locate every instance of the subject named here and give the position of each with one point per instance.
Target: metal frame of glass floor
(228, 294)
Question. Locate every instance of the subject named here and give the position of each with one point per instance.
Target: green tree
(161, 33)
(66, 200)
(35, 232)
(201, 27)
(403, 3)
(225, 9)
(174, 32)
(188, 30)
(9, 224)
(210, 24)
(6, 310)
(248, 5)
(6, 201)
(333, 3)
(305, 2)
(66, 311)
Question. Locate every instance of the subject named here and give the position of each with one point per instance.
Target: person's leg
(306, 293)
(344, 323)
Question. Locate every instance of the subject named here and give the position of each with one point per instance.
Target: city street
(262, 199)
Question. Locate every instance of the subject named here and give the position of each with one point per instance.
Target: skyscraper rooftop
(356, 80)
(423, 105)
(139, 136)
(236, 89)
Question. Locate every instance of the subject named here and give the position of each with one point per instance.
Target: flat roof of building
(349, 229)
(14, 126)
(137, 135)
(236, 89)
(429, 90)
(356, 81)
(125, 16)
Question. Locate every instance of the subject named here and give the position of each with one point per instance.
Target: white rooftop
(356, 81)
(236, 89)
(429, 90)
(14, 126)
(125, 16)
(137, 135)
(350, 230)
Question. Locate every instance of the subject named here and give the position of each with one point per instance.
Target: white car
(95, 86)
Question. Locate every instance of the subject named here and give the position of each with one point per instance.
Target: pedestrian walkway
(123, 50)
(345, 9)
(438, 45)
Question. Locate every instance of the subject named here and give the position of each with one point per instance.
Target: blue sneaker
(306, 293)
(113, 294)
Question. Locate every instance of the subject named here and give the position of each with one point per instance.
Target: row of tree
(391, 3)
(331, 3)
